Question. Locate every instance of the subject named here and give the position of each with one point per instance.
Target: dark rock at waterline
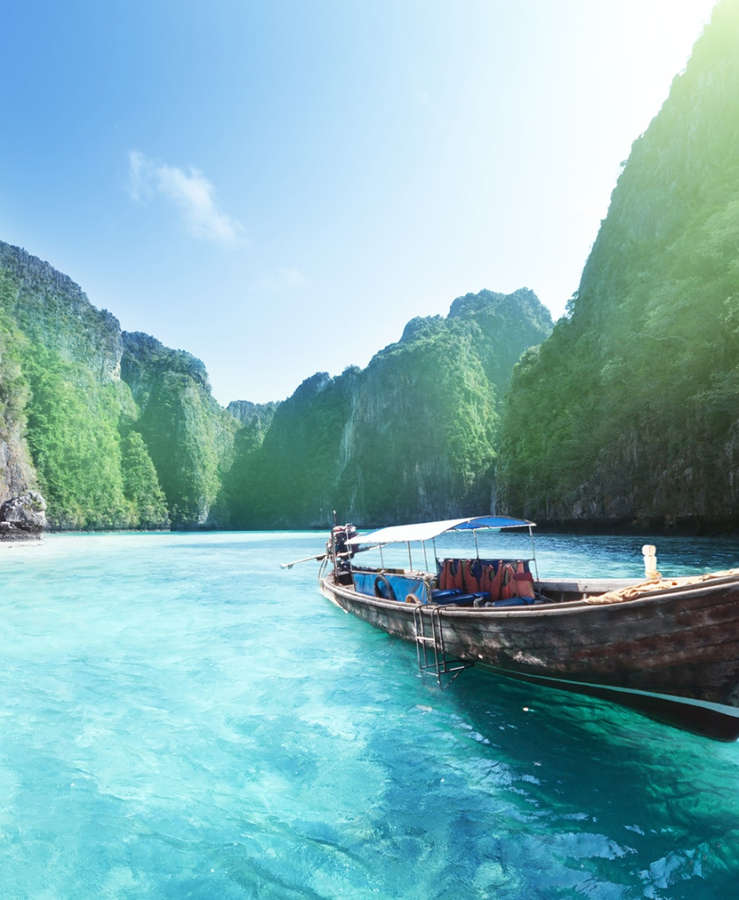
(23, 518)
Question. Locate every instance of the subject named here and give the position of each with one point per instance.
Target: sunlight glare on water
(182, 718)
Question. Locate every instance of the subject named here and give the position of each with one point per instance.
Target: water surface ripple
(181, 718)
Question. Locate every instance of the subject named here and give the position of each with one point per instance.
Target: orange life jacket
(456, 571)
(509, 585)
(451, 577)
(524, 581)
(472, 580)
(491, 580)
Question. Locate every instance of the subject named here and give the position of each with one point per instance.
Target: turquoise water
(181, 718)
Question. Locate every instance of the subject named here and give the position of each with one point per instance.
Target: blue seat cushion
(515, 601)
(456, 597)
(440, 596)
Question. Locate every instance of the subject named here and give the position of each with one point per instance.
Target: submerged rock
(23, 517)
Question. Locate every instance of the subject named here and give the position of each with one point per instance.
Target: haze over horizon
(278, 189)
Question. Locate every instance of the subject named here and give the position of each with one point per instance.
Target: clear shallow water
(181, 718)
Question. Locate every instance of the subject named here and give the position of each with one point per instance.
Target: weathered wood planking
(682, 644)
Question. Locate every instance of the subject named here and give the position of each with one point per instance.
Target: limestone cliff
(119, 431)
(189, 436)
(67, 395)
(69, 424)
(411, 436)
(257, 416)
(629, 413)
(54, 312)
(17, 474)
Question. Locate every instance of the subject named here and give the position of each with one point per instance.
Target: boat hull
(673, 655)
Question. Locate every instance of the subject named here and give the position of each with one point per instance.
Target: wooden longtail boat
(666, 647)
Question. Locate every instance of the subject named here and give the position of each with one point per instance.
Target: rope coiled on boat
(635, 591)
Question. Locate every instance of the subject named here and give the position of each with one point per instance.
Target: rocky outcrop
(23, 517)
(54, 312)
(254, 415)
(520, 316)
(17, 473)
(16, 469)
(147, 360)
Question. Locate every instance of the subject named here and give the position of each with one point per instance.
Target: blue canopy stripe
(491, 522)
(425, 531)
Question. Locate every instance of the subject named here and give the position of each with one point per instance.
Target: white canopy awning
(425, 531)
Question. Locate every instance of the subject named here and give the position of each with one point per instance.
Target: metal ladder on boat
(430, 650)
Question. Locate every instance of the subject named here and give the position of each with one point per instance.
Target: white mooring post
(649, 552)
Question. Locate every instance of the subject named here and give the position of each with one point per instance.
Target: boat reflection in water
(666, 647)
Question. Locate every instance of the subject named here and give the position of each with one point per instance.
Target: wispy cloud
(189, 190)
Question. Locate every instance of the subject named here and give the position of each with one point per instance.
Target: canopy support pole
(425, 558)
(436, 555)
(533, 552)
(410, 558)
(382, 561)
(477, 548)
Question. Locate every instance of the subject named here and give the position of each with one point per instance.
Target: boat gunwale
(536, 610)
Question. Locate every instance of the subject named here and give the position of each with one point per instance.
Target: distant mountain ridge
(411, 436)
(256, 415)
(119, 431)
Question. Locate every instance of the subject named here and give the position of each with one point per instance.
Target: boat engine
(342, 552)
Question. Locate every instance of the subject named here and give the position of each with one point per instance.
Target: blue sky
(278, 187)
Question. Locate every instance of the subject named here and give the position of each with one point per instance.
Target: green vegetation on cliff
(280, 481)
(124, 432)
(141, 484)
(630, 411)
(106, 452)
(190, 438)
(412, 435)
(424, 429)
(75, 443)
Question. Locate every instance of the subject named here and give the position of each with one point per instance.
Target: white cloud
(189, 190)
